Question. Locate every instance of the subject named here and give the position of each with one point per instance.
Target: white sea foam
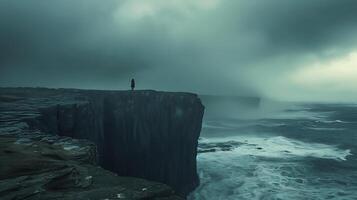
(266, 166)
(331, 121)
(282, 147)
(325, 129)
(241, 174)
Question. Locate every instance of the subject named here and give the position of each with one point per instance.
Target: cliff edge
(146, 134)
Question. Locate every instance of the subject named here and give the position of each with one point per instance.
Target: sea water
(305, 151)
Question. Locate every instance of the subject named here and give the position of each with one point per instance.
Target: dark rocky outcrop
(38, 170)
(146, 134)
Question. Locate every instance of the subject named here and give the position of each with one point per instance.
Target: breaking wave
(264, 168)
(279, 147)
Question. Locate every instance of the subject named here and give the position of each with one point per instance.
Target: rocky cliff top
(61, 134)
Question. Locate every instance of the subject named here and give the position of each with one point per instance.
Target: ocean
(294, 151)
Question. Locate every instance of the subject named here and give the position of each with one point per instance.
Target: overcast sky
(285, 49)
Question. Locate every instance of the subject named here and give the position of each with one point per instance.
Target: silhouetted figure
(132, 84)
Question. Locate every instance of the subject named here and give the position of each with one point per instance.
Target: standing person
(132, 84)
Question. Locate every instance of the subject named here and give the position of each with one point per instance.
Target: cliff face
(154, 136)
(41, 170)
(146, 134)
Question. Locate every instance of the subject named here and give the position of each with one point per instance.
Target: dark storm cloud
(212, 46)
(53, 36)
(304, 24)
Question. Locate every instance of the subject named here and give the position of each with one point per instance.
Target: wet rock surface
(39, 170)
(145, 134)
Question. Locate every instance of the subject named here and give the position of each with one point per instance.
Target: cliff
(57, 168)
(145, 134)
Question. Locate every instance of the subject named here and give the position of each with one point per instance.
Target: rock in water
(146, 134)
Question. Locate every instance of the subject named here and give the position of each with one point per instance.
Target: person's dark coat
(132, 84)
